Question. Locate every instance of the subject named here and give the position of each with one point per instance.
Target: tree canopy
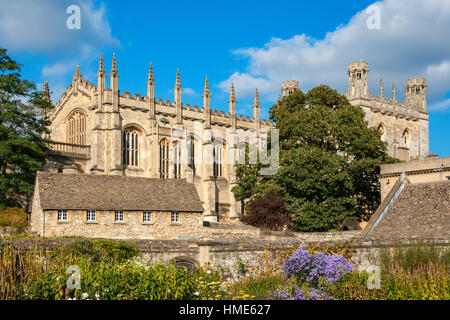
(329, 160)
(22, 125)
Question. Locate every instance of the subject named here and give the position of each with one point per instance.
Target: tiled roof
(105, 192)
(420, 211)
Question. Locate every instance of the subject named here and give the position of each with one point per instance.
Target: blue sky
(252, 43)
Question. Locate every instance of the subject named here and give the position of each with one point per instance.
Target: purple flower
(296, 293)
(310, 268)
(298, 264)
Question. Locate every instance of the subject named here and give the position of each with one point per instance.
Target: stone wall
(105, 227)
(226, 253)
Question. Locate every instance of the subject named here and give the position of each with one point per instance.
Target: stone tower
(415, 94)
(358, 73)
(288, 87)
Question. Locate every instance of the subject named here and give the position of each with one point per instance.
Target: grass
(14, 217)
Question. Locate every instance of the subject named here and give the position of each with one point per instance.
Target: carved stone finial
(394, 91)
(150, 78)
(178, 80)
(46, 91)
(77, 75)
(232, 94)
(114, 72)
(101, 66)
(381, 87)
(256, 100)
(206, 91)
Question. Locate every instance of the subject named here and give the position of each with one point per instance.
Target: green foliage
(100, 250)
(118, 250)
(14, 217)
(418, 272)
(329, 161)
(414, 257)
(22, 148)
(110, 281)
(260, 286)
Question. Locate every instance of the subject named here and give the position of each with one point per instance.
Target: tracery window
(191, 155)
(76, 128)
(164, 159)
(130, 147)
(177, 161)
(218, 160)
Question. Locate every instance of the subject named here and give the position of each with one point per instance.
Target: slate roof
(105, 192)
(421, 211)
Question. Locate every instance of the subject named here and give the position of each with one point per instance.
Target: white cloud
(412, 41)
(40, 26)
(56, 69)
(441, 105)
(189, 92)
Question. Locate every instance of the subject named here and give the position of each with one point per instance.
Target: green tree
(22, 125)
(329, 160)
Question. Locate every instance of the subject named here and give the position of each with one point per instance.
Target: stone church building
(104, 131)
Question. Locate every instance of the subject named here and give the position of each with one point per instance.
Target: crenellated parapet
(100, 95)
(414, 104)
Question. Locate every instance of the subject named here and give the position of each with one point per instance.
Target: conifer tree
(22, 130)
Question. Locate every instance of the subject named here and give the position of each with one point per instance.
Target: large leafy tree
(22, 127)
(329, 160)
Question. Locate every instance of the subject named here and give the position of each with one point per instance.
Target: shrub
(311, 268)
(100, 250)
(119, 250)
(14, 217)
(112, 281)
(267, 211)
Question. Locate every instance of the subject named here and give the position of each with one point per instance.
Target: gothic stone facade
(403, 124)
(104, 131)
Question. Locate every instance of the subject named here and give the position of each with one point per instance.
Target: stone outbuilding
(418, 211)
(106, 206)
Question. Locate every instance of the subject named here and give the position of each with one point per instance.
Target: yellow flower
(218, 296)
(242, 292)
(245, 296)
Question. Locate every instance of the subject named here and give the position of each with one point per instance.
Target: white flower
(84, 296)
(208, 272)
(197, 293)
(97, 296)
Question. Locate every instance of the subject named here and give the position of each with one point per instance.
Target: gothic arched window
(191, 155)
(130, 147)
(76, 128)
(218, 160)
(164, 159)
(382, 131)
(406, 138)
(177, 161)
